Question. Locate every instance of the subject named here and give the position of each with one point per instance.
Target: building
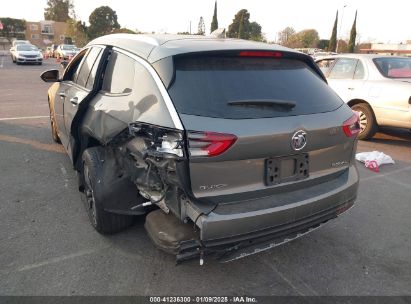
(46, 33)
(401, 49)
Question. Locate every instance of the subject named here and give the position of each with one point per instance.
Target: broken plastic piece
(373, 160)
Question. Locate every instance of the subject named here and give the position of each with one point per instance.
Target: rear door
(254, 123)
(78, 87)
(347, 77)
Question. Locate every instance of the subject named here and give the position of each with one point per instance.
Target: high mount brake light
(260, 54)
(209, 143)
(351, 126)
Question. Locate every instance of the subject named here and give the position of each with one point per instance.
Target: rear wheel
(368, 122)
(103, 221)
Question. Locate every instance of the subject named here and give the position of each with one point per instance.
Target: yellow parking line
(33, 143)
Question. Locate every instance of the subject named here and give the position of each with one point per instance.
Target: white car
(377, 87)
(66, 51)
(26, 53)
(17, 42)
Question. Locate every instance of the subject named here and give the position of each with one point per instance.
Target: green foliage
(353, 35)
(323, 44)
(13, 28)
(333, 40)
(201, 27)
(58, 10)
(242, 28)
(77, 31)
(214, 23)
(103, 20)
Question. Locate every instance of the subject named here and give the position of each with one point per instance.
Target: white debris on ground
(373, 160)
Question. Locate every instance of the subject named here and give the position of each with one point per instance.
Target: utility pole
(342, 18)
(190, 27)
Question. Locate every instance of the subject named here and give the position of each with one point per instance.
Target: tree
(201, 27)
(77, 31)
(255, 32)
(124, 30)
(342, 46)
(309, 38)
(58, 10)
(12, 28)
(353, 35)
(242, 17)
(214, 23)
(103, 20)
(323, 44)
(242, 28)
(285, 34)
(333, 40)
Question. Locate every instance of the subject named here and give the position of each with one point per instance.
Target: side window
(325, 65)
(359, 71)
(92, 76)
(87, 66)
(343, 69)
(119, 75)
(72, 70)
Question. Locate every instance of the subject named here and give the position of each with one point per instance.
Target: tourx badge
(299, 140)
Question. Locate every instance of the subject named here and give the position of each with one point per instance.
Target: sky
(378, 21)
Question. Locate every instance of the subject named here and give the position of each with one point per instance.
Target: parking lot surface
(48, 247)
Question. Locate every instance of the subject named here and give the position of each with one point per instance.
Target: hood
(28, 52)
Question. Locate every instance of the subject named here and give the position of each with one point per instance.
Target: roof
(156, 47)
(348, 55)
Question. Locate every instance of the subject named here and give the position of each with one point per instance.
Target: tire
(54, 132)
(368, 122)
(104, 222)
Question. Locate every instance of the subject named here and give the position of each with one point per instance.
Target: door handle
(74, 101)
(62, 94)
(351, 89)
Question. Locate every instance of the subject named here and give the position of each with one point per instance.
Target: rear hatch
(256, 121)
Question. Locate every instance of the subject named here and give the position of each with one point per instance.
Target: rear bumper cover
(225, 232)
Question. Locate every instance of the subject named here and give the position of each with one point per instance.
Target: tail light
(209, 143)
(351, 126)
(260, 54)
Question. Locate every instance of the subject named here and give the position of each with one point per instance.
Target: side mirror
(50, 76)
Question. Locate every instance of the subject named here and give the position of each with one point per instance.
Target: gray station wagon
(230, 147)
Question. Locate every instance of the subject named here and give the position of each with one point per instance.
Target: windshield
(68, 47)
(242, 88)
(394, 67)
(26, 47)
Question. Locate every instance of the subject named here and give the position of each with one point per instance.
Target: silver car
(378, 87)
(26, 53)
(230, 147)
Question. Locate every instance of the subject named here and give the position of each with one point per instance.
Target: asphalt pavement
(48, 247)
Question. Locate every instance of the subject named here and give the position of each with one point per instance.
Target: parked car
(378, 87)
(26, 53)
(17, 42)
(66, 51)
(239, 145)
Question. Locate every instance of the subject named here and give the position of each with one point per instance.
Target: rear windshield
(205, 86)
(394, 67)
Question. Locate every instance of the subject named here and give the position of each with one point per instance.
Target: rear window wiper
(263, 102)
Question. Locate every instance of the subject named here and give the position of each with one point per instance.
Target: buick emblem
(299, 140)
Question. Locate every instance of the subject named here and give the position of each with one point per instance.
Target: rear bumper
(234, 223)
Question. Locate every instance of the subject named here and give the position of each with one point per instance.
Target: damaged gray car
(230, 147)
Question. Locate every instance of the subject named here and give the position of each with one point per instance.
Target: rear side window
(87, 66)
(119, 75)
(394, 67)
(343, 69)
(231, 87)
